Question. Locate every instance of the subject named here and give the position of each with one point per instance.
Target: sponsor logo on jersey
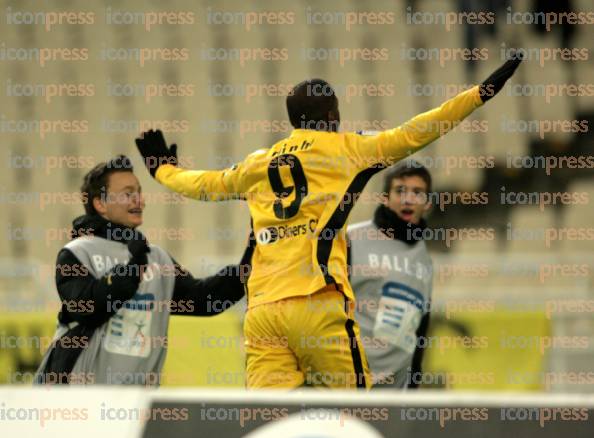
(269, 235)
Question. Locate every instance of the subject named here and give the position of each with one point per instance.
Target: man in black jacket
(117, 291)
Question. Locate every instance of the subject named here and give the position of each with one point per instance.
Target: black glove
(494, 83)
(126, 278)
(138, 247)
(154, 150)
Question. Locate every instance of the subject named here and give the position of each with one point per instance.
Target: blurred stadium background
(511, 284)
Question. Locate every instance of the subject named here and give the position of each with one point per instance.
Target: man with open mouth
(391, 275)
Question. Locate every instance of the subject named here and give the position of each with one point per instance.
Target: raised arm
(395, 144)
(204, 185)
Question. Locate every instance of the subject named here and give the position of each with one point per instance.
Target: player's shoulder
(367, 133)
(358, 138)
(362, 133)
(250, 160)
(256, 155)
(355, 135)
(258, 152)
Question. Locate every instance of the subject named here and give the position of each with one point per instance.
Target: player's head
(312, 104)
(112, 191)
(406, 190)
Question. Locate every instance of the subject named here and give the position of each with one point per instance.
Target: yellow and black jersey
(301, 191)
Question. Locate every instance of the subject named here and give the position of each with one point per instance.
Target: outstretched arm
(393, 145)
(207, 296)
(211, 295)
(204, 185)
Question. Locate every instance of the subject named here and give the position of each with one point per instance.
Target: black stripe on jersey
(349, 257)
(246, 259)
(355, 354)
(339, 217)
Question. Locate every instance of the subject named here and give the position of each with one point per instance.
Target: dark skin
(334, 118)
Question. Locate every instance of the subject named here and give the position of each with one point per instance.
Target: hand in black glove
(128, 277)
(154, 150)
(494, 83)
(138, 247)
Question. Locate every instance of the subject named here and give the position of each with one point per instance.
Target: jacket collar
(396, 228)
(95, 225)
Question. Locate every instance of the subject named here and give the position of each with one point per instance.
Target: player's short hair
(309, 103)
(95, 181)
(406, 168)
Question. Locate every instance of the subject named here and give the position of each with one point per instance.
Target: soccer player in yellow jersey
(299, 327)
